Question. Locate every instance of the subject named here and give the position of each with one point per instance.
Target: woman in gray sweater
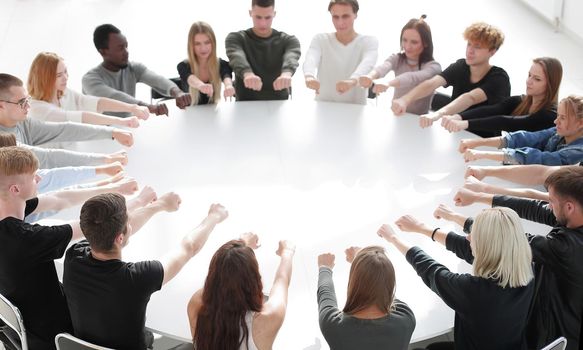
(372, 318)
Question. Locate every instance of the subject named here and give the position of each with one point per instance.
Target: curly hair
(485, 34)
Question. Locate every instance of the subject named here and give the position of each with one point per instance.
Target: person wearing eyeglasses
(14, 107)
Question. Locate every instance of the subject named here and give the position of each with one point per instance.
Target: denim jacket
(540, 147)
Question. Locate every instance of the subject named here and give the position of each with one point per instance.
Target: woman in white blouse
(53, 101)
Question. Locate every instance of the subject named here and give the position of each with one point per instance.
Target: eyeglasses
(22, 102)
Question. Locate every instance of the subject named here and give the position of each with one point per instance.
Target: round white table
(324, 175)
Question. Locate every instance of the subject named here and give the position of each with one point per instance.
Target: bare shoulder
(195, 301)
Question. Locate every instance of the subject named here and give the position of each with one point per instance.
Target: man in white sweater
(335, 61)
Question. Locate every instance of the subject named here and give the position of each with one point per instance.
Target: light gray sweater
(121, 85)
(31, 133)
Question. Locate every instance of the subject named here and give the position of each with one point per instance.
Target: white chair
(12, 319)
(65, 341)
(558, 344)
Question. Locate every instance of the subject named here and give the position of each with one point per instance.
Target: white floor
(157, 32)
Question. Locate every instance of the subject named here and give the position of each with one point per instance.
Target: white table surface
(324, 175)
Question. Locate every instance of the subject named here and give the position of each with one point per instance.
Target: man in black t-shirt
(27, 273)
(475, 82)
(107, 297)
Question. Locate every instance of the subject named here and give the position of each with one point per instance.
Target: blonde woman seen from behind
(491, 305)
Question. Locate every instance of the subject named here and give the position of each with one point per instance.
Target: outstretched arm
(274, 309)
(192, 243)
(463, 102)
(533, 174)
(424, 89)
(106, 104)
(93, 84)
(478, 186)
(59, 200)
(466, 144)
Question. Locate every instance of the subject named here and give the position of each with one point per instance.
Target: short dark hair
(101, 35)
(351, 3)
(102, 218)
(567, 182)
(263, 3)
(6, 82)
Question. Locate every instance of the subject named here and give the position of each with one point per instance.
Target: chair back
(65, 341)
(558, 344)
(12, 325)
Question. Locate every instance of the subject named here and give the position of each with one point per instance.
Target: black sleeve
(529, 209)
(468, 225)
(184, 72)
(452, 73)
(550, 249)
(451, 287)
(460, 246)
(496, 85)
(149, 275)
(31, 205)
(503, 108)
(540, 120)
(225, 69)
(50, 242)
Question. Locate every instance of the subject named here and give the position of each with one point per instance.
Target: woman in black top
(531, 112)
(491, 305)
(203, 72)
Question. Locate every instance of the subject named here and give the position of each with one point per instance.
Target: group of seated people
(524, 291)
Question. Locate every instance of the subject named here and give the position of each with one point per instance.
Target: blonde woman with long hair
(203, 71)
(559, 145)
(53, 101)
(491, 305)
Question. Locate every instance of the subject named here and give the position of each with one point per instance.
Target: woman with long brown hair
(230, 311)
(372, 318)
(203, 71)
(531, 112)
(413, 65)
(53, 101)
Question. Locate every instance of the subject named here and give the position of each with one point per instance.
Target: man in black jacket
(557, 308)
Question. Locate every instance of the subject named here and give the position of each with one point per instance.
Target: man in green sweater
(263, 58)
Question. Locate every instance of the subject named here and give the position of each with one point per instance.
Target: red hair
(42, 76)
